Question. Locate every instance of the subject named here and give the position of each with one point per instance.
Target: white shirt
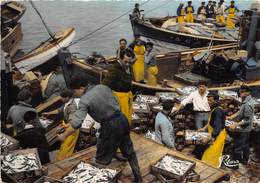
(200, 103)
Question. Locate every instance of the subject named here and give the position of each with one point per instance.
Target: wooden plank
(47, 104)
(148, 153)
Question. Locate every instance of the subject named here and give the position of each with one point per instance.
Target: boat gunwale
(12, 29)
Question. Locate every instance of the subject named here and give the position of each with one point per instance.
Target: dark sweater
(217, 121)
(35, 138)
(118, 79)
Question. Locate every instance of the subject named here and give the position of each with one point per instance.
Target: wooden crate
(141, 107)
(148, 99)
(171, 174)
(31, 173)
(114, 180)
(195, 141)
(45, 179)
(166, 95)
(11, 147)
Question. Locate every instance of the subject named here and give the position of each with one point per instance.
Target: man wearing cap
(16, 112)
(244, 120)
(209, 10)
(231, 10)
(180, 13)
(163, 125)
(220, 19)
(202, 11)
(201, 107)
(189, 12)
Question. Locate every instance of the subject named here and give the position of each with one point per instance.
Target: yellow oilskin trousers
(138, 66)
(213, 154)
(68, 146)
(189, 15)
(151, 75)
(181, 18)
(125, 100)
(230, 22)
(220, 19)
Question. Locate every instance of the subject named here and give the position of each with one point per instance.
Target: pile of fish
(186, 90)
(229, 123)
(149, 99)
(151, 135)
(15, 163)
(195, 136)
(5, 141)
(141, 107)
(166, 95)
(86, 173)
(256, 120)
(174, 165)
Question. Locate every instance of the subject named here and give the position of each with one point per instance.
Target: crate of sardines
(141, 107)
(46, 179)
(173, 167)
(166, 95)
(195, 137)
(22, 164)
(8, 143)
(88, 173)
(148, 99)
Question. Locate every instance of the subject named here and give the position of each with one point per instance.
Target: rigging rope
(45, 25)
(101, 27)
(161, 5)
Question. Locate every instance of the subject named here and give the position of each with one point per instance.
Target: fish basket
(27, 172)
(190, 165)
(196, 138)
(46, 179)
(148, 99)
(14, 144)
(141, 107)
(112, 180)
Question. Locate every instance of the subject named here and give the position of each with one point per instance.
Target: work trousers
(241, 146)
(114, 134)
(201, 119)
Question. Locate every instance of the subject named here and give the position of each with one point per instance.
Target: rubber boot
(133, 162)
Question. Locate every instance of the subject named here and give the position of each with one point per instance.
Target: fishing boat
(11, 12)
(193, 35)
(11, 38)
(45, 51)
(168, 64)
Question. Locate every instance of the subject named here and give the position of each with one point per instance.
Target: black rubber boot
(135, 169)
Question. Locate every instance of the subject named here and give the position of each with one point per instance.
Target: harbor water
(87, 16)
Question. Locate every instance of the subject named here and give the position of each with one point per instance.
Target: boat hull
(49, 50)
(142, 28)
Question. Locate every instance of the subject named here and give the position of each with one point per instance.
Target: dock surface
(148, 153)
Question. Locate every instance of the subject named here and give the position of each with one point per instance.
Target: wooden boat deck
(148, 152)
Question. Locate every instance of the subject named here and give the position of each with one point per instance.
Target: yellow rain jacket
(189, 14)
(231, 14)
(214, 152)
(180, 18)
(138, 66)
(152, 75)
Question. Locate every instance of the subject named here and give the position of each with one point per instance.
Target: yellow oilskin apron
(138, 66)
(231, 14)
(181, 17)
(189, 16)
(220, 19)
(125, 100)
(212, 155)
(151, 75)
(68, 146)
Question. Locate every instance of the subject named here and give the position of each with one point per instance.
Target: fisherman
(202, 11)
(34, 137)
(181, 13)
(122, 46)
(163, 125)
(200, 103)
(136, 11)
(210, 10)
(100, 103)
(217, 132)
(119, 79)
(16, 112)
(67, 110)
(244, 121)
(151, 64)
(138, 66)
(220, 19)
(231, 10)
(215, 8)
(54, 84)
(189, 12)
